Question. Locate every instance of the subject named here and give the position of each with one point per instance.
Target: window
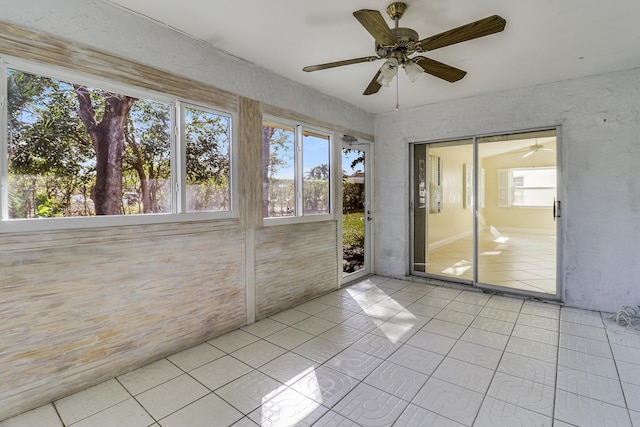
(315, 158)
(295, 171)
(76, 150)
(527, 187)
(207, 145)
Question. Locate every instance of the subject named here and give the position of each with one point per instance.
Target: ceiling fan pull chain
(397, 92)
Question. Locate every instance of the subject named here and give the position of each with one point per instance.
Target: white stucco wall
(111, 29)
(600, 147)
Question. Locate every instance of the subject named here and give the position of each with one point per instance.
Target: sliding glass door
(485, 211)
(443, 213)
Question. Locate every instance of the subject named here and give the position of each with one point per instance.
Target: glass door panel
(517, 243)
(357, 212)
(443, 209)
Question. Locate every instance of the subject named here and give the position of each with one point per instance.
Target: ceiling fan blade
(373, 22)
(528, 154)
(374, 86)
(483, 27)
(438, 69)
(339, 63)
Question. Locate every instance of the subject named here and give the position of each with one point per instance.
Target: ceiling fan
(396, 45)
(534, 149)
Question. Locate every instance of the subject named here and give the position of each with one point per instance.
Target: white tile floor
(383, 352)
(513, 260)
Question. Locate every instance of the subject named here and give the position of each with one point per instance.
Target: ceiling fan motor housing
(406, 43)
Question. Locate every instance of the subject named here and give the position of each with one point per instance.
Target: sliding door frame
(558, 214)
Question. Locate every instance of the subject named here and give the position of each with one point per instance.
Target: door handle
(556, 208)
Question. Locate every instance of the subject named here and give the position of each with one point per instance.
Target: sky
(315, 153)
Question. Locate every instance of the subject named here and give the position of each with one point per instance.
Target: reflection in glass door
(443, 209)
(517, 242)
(491, 219)
(357, 212)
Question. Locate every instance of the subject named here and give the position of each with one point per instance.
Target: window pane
(528, 178)
(207, 145)
(534, 187)
(278, 170)
(534, 197)
(315, 187)
(74, 150)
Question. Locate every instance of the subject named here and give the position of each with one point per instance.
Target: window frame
(177, 214)
(180, 106)
(299, 129)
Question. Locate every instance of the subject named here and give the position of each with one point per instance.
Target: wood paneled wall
(294, 263)
(78, 307)
(250, 162)
(22, 43)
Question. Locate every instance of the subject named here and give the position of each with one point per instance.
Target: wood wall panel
(293, 264)
(26, 44)
(89, 308)
(250, 162)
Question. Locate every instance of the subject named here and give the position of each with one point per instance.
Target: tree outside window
(296, 171)
(75, 150)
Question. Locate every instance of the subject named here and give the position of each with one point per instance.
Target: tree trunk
(107, 137)
(138, 165)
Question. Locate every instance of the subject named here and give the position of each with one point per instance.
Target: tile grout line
(495, 371)
(615, 363)
(555, 383)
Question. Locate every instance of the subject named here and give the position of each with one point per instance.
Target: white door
(357, 211)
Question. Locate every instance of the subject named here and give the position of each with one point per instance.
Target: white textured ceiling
(544, 41)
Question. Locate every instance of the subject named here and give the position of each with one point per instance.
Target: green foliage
(52, 160)
(207, 147)
(315, 196)
(281, 197)
(45, 206)
(278, 192)
(352, 197)
(207, 159)
(147, 158)
(353, 229)
(319, 172)
(278, 143)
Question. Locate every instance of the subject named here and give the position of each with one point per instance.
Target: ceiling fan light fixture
(413, 70)
(388, 71)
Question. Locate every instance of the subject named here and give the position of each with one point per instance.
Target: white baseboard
(449, 240)
(495, 230)
(524, 230)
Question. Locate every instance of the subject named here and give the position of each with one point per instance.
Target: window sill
(55, 224)
(268, 222)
